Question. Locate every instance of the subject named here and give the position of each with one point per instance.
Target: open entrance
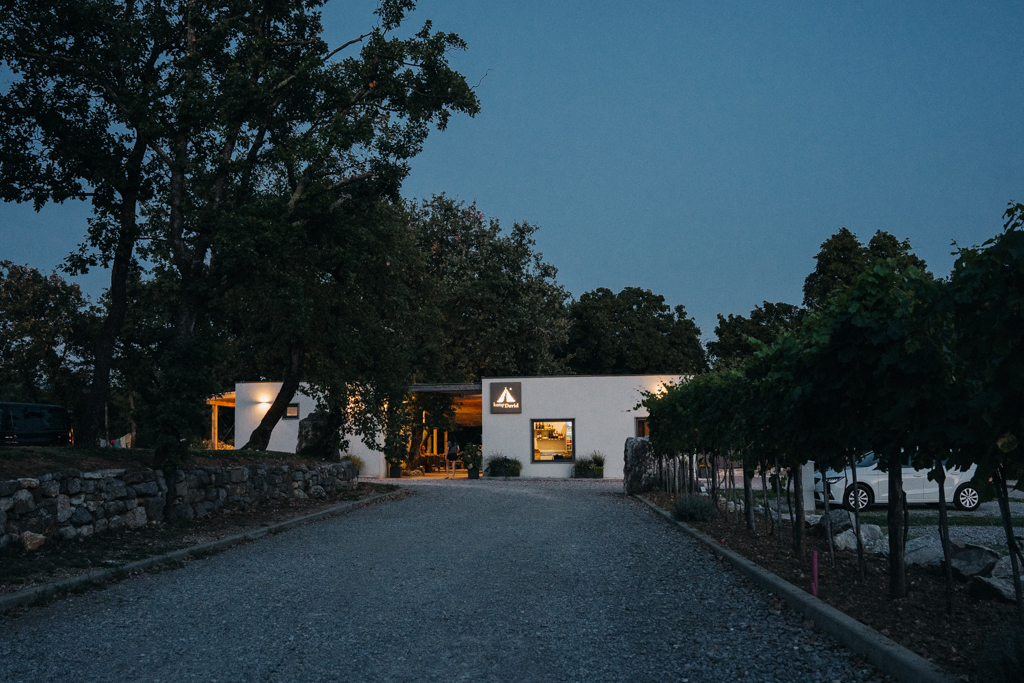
(448, 412)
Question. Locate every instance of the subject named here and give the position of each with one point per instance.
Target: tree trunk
(940, 478)
(862, 565)
(826, 494)
(748, 499)
(131, 414)
(260, 438)
(1011, 542)
(897, 567)
(768, 529)
(799, 537)
(118, 295)
(778, 499)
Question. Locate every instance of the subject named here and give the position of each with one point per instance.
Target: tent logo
(503, 397)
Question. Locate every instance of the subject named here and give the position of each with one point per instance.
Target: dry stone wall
(74, 504)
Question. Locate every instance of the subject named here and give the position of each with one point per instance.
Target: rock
(32, 540)
(809, 520)
(114, 507)
(3, 520)
(841, 521)
(64, 509)
(24, 502)
(6, 504)
(154, 508)
(81, 516)
(148, 488)
(992, 589)
(640, 472)
(85, 531)
(68, 532)
(5, 540)
(973, 560)
(924, 552)
(92, 475)
(72, 485)
(7, 488)
(317, 492)
(28, 483)
(1003, 569)
(300, 494)
(846, 540)
(50, 489)
(100, 526)
(135, 518)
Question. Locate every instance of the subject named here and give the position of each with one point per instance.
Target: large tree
(737, 336)
(843, 257)
(199, 112)
(497, 306)
(632, 332)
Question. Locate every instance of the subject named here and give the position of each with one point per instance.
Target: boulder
(81, 516)
(809, 519)
(988, 588)
(1003, 569)
(841, 521)
(64, 509)
(317, 492)
(871, 537)
(32, 540)
(154, 508)
(68, 532)
(924, 551)
(135, 518)
(973, 560)
(7, 488)
(6, 504)
(640, 473)
(24, 502)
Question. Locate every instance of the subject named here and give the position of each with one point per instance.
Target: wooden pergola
(226, 400)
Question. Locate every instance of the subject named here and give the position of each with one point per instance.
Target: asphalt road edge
(12, 600)
(888, 656)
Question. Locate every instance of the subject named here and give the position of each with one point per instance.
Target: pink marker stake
(814, 573)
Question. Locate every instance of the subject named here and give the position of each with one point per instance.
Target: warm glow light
(265, 405)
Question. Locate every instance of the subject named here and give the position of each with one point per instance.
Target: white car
(873, 486)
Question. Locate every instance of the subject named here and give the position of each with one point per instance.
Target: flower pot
(473, 472)
(598, 473)
(395, 471)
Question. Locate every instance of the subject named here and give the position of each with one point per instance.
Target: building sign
(505, 397)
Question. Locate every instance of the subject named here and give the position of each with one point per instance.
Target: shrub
(471, 456)
(355, 460)
(500, 465)
(1002, 658)
(583, 468)
(691, 508)
(598, 458)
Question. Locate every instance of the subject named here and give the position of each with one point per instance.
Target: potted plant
(583, 468)
(472, 458)
(598, 458)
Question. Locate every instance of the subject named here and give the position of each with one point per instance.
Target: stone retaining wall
(74, 504)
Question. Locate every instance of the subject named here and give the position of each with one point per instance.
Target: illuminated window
(553, 440)
(292, 411)
(642, 429)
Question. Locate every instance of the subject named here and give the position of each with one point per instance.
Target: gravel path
(482, 581)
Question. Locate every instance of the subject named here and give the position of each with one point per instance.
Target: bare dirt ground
(918, 622)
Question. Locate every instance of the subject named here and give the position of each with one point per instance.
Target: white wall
(604, 408)
(253, 399)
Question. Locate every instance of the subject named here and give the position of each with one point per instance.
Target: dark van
(34, 424)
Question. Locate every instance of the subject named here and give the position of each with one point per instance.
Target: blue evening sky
(705, 150)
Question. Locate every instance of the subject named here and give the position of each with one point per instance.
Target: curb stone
(890, 657)
(12, 600)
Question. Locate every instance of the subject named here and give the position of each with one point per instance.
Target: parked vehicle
(873, 486)
(35, 424)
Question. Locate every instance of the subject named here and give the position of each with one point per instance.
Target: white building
(544, 422)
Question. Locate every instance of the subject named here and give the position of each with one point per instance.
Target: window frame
(637, 421)
(533, 440)
(286, 416)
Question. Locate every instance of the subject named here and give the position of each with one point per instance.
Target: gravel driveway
(482, 580)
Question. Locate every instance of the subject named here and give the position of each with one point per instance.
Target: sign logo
(505, 397)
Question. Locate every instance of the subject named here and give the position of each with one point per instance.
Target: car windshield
(866, 460)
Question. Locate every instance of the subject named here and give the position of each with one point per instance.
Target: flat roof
(446, 389)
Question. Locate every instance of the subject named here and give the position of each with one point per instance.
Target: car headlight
(832, 480)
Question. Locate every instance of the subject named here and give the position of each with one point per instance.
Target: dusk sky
(705, 150)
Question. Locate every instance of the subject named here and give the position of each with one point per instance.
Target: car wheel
(861, 497)
(966, 497)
